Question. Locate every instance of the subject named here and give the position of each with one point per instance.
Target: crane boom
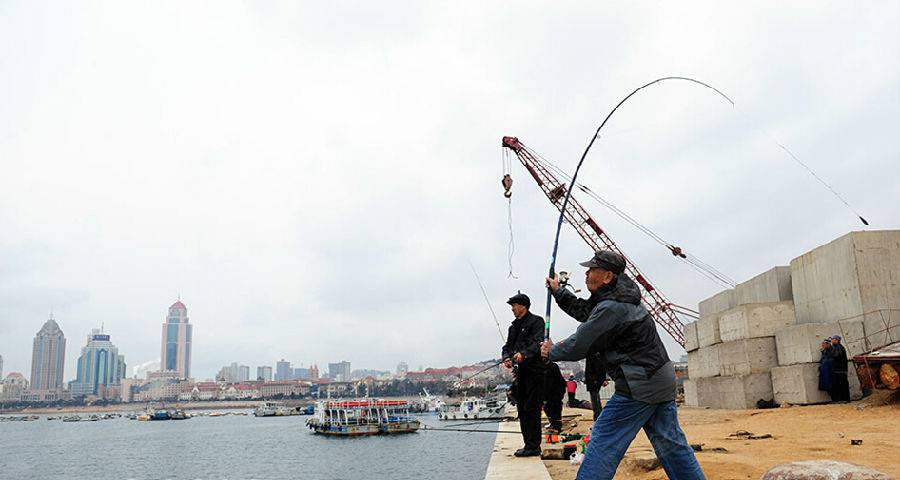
(591, 232)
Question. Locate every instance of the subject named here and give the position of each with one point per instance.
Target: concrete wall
(771, 286)
(744, 357)
(717, 303)
(690, 393)
(852, 275)
(691, 341)
(704, 362)
(755, 320)
(708, 330)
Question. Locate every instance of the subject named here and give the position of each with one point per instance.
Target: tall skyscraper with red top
(175, 354)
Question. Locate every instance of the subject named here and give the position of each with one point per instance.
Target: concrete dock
(504, 465)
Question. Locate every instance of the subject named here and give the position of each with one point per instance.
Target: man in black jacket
(634, 355)
(839, 384)
(522, 350)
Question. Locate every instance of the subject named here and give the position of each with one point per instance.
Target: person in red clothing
(571, 386)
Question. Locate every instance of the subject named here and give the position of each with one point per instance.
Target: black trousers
(529, 390)
(840, 387)
(553, 409)
(572, 400)
(595, 402)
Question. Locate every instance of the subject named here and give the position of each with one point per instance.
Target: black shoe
(527, 453)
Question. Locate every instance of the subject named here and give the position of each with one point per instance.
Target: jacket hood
(622, 289)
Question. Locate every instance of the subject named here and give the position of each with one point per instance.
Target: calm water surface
(234, 448)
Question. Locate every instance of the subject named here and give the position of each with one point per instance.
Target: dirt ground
(815, 432)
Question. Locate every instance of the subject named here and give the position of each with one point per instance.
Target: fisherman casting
(621, 330)
(522, 353)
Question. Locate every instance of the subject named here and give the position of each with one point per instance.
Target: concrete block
(691, 341)
(771, 286)
(717, 303)
(800, 343)
(798, 384)
(704, 362)
(745, 357)
(881, 327)
(690, 393)
(847, 278)
(742, 391)
(708, 330)
(755, 320)
(853, 336)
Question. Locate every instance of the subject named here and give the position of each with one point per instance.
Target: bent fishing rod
(562, 209)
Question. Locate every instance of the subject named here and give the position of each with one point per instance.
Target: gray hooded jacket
(620, 330)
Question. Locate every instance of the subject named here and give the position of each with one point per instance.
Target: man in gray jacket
(620, 329)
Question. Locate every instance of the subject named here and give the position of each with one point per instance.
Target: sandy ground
(800, 433)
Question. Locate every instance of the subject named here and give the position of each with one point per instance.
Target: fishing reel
(564, 281)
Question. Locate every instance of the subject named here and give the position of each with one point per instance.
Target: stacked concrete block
(690, 393)
(691, 341)
(743, 391)
(708, 330)
(799, 384)
(749, 356)
(801, 343)
(848, 278)
(704, 362)
(717, 303)
(701, 392)
(771, 286)
(755, 320)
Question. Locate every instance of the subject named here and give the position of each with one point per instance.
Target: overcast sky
(313, 179)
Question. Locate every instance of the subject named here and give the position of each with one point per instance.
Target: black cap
(521, 299)
(606, 260)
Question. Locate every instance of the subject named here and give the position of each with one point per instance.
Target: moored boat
(362, 417)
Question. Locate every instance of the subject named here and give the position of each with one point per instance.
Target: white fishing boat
(350, 418)
(274, 409)
(478, 409)
(431, 403)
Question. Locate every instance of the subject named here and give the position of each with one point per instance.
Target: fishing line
(484, 293)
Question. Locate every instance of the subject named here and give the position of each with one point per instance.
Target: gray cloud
(313, 179)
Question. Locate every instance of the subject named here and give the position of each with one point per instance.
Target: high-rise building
(339, 371)
(234, 373)
(99, 367)
(175, 354)
(402, 369)
(314, 372)
(264, 373)
(301, 373)
(243, 373)
(283, 370)
(48, 358)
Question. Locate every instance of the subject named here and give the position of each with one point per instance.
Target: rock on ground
(823, 470)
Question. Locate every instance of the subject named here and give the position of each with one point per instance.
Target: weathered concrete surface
(755, 320)
(691, 341)
(744, 357)
(853, 336)
(800, 343)
(799, 384)
(823, 470)
(704, 362)
(708, 330)
(771, 286)
(690, 393)
(717, 303)
(844, 279)
(740, 391)
(882, 327)
(504, 466)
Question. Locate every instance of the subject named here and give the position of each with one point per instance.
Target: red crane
(663, 311)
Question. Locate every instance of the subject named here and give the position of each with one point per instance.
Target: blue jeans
(617, 426)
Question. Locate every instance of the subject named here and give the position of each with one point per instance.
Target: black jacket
(525, 337)
(620, 329)
(838, 355)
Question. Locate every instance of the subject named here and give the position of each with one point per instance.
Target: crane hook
(507, 185)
